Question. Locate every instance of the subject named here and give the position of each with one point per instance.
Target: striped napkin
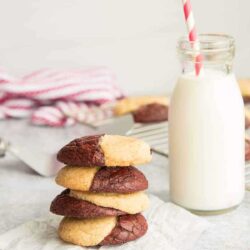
(59, 97)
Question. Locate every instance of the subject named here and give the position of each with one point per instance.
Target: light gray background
(136, 38)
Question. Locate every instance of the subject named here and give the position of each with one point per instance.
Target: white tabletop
(26, 195)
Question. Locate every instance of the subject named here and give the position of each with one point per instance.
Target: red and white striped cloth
(59, 98)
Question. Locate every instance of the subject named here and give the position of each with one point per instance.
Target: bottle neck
(217, 53)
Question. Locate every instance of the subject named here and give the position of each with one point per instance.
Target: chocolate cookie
(128, 228)
(102, 231)
(104, 179)
(153, 112)
(247, 149)
(84, 151)
(105, 150)
(69, 206)
(119, 180)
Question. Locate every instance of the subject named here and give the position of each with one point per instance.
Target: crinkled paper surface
(170, 227)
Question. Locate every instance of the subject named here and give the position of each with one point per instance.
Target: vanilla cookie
(102, 179)
(130, 203)
(102, 231)
(131, 104)
(86, 232)
(105, 150)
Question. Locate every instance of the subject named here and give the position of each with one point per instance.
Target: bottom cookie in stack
(102, 231)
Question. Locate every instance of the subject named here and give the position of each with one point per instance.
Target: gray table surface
(26, 195)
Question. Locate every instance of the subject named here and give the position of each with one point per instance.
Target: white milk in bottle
(206, 130)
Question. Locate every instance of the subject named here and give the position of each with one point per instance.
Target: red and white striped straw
(192, 34)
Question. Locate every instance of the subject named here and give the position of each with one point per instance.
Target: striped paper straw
(192, 34)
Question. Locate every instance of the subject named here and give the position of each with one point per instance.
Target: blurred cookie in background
(145, 109)
(245, 89)
(247, 117)
(153, 112)
(130, 104)
(247, 148)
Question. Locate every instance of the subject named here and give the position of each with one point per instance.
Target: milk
(206, 142)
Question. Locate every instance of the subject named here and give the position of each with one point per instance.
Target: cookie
(97, 179)
(131, 104)
(69, 206)
(153, 112)
(247, 118)
(102, 231)
(105, 150)
(245, 89)
(130, 203)
(88, 205)
(247, 149)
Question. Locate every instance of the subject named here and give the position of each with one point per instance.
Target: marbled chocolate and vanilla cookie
(80, 204)
(105, 150)
(102, 179)
(102, 231)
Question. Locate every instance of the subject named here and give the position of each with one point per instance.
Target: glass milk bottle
(206, 129)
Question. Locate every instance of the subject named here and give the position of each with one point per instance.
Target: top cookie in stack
(105, 150)
(104, 193)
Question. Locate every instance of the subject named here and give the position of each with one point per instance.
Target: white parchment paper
(170, 227)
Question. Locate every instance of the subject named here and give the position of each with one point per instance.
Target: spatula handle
(3, 147)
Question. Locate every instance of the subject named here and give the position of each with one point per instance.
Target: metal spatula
(117, 126)
(43, 163)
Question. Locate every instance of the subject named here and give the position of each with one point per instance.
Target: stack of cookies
(104, 196)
